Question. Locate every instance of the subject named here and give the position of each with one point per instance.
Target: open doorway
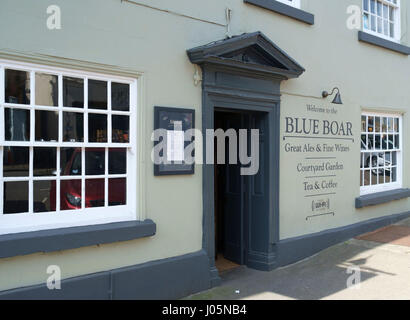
(238, 197)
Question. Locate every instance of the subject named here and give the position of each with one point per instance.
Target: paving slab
(384, 273)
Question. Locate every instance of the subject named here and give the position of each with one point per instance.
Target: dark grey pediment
(252, 52)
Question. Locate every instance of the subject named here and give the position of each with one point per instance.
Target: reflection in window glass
(117, 191)
(45, 161)
(44, 196)
(97, 94)
(94, 161)
(94, 193)
(117, 161)
(120, 129)
(15, 197)
(73, 127)
(16, 161)
(73, 92)
(70, 195)
(70, 161)
(17, 124)
(46, 125)
(46, 89)
(17, 86)
(120, 96)
(97, 128)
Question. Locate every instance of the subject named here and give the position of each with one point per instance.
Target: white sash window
(67, 148)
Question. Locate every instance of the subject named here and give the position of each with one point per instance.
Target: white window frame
(30, 221)
(397, 21)
(292, 3)
(386, 186)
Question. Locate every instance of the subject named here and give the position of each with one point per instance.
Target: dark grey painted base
(171, 278)
(295, 249)
(178, 277)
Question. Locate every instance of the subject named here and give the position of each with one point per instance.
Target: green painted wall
(154, 43)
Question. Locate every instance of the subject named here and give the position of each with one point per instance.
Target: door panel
(233, 202)
(245, 200)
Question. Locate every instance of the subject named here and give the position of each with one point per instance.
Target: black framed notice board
(176, 121)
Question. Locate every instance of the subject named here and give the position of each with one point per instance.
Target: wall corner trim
(285, 10)
(75, 237)
(380, 42)
(381, 197)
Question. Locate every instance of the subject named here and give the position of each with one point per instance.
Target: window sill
(380, 42)
(381, 197)
(284, 9)
(71, 238)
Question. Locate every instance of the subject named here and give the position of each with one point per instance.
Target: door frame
(223, 97)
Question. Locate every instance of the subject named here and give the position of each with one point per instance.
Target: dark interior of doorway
(239, 198)
(220, 170)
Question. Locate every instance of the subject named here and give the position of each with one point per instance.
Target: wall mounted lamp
(337, 99)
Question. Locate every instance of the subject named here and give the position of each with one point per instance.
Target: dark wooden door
(243, 200)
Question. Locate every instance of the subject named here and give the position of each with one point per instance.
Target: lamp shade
(337, 99)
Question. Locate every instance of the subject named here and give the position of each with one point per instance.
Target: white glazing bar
(32, 138)
(82, 178)
(85, 110)
(106, 179)
(30, 187)
(109, 120)
(58, 180)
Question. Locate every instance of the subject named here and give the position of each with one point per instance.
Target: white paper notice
(175, 145)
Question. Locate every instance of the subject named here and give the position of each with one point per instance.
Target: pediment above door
(249, 52)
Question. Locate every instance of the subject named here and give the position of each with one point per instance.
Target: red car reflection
(70, 190)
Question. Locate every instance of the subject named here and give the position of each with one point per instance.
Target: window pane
(73, 92)
(120, 129)
(70, 161)
(373, 22)
(97, 94)
(17, 86)
(44, 199)
(46, 89)
(73, 127)
(370, 124)
(45, 160)
(46, 125)
(367, 177)
(120, 96)
(378, 125)
(366, 5)
(394, 174)
(117, 161)
(15, 197)
(70, 195)
(384, 124)
(94, 161)
(16, 161)
(117, 192)
(397, 141)
(396, 125)
(97, 128)
(94, 193)
(17, 124)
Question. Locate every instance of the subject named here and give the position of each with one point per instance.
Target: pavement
(383, 257)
